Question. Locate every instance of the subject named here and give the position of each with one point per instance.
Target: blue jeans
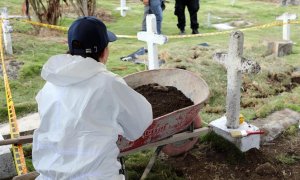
(146, 11)
(155, 8)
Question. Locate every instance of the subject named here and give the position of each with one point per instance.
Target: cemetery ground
(276, 87)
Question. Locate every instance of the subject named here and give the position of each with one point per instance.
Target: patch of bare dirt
(12, 68)
(207, 162)
(104, 15)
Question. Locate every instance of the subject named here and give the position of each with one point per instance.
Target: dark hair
(78, 45)
(94, 56)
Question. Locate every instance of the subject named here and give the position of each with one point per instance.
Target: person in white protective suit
(83, 108)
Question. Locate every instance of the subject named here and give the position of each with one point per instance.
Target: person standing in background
(193, 7)
(146, 12)
(154, 8)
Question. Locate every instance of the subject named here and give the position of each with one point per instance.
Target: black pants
(193, 7)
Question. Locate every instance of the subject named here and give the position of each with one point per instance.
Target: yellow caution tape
(127, 36)
(14, 130)
(66, 28)
(275, 23)
(47, 25)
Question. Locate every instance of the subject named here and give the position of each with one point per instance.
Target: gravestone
(286, 31)
(209, 19)
(123, 9)
(234, 79)
(6, 30)
(152, 39)
(280, 48)
(232, 2)
(290, 2)
(285, 46)
(224, 125)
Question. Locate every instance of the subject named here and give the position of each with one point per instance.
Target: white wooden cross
(286, 17)
(232, 2)
(123, 9)
(209, 19)
(236, 65)
(6, 29)
(152, 39)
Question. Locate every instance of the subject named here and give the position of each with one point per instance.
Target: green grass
(292, 130)
(136, 163)
(287, 159)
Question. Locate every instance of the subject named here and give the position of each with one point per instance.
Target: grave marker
(123, 9)
(234, 79)
(152, 39)
(209, 19)
(232, 2)
(6, 29)
(286, 31)
(236, 64)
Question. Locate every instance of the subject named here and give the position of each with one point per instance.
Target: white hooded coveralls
(83, 108)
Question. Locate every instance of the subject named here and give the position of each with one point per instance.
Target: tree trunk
(47, 11)
(84, 7)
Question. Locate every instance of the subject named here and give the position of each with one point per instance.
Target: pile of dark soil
(164, 99)
(276, 161)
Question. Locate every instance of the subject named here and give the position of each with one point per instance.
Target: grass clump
(292, 130)
(30, 71)
(287, 159)
(137, 162)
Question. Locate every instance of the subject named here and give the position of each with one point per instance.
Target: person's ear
(104, 56)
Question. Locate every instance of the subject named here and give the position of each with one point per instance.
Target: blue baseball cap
(88, 35)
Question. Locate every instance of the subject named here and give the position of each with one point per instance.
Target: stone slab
(244, 143)
(223, 26)
(280, 48)
(290, 2)
(28, 176)
(7, 168)
(276, 123)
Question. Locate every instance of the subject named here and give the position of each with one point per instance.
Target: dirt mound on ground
(275, 161)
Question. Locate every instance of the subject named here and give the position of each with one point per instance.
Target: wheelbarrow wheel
(181, 147)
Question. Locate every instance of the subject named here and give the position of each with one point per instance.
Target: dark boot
(195, 31)
(182, 32)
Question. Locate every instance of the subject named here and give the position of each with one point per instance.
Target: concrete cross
(152, 39)
(286, 31)
(236, 65)
(123, 9)
(6, 29)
